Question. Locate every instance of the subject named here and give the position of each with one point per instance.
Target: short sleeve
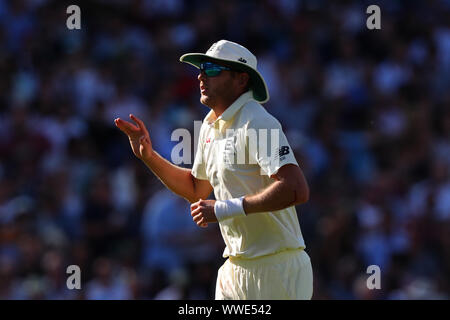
(199, 167)
(271, 150)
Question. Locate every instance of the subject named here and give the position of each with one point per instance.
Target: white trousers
(282, 276)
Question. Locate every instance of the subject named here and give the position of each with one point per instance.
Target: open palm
(138, 135)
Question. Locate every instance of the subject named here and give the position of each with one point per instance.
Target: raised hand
(138, 135)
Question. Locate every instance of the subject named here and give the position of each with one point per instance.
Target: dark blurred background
(367, 112)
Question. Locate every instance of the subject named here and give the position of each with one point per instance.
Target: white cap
(238, 58)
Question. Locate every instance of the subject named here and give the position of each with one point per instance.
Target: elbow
(301, 194)
(296, 187)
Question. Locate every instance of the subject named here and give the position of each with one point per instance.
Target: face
(220, 90)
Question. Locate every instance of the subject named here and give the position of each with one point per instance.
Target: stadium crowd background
(367, 112)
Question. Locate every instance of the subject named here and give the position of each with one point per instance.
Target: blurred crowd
(367, 112)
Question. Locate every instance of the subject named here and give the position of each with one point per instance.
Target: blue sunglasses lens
(212, 69)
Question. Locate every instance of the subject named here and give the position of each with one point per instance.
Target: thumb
(143, 140)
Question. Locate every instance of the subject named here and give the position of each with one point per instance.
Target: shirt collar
(229, 113)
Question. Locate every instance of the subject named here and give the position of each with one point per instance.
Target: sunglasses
(212, 69)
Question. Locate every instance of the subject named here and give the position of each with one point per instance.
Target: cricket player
(244, 156)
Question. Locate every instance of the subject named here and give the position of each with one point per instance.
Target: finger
(199, 203)
(126, 126)
(196, 211)
(198, 217)
(139, 123)
(201, 222)
(194, 205)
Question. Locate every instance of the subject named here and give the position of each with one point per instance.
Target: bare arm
(178, 180)
(289, 189)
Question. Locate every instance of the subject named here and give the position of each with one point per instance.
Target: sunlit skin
(219, 92)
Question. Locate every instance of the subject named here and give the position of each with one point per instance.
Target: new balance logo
(283, 151)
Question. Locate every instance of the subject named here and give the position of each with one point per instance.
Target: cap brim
(258, 85)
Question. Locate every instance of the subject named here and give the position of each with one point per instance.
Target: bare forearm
(277, 196)
(178, 180)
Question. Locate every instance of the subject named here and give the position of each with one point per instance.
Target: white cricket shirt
(231, 156)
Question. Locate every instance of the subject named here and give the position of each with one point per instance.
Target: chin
(205, 100)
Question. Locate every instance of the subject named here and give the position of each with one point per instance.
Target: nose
(201, 76)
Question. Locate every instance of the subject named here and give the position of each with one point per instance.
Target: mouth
(203, 89)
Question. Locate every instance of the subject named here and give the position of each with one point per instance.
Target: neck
(220, 108)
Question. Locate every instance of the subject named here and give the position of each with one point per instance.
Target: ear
(244, 79)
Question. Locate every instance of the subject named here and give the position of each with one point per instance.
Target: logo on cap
(242, 60)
